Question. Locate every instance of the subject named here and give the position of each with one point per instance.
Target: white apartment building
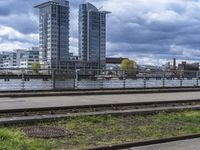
(19, 58)
(12, 59)
(32, 56)
(3, 56)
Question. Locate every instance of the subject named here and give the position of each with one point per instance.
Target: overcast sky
(149, 31)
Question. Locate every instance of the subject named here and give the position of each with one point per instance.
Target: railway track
(51, 113)
(29, 116)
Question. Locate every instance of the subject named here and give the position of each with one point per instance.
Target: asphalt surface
(56, 101)
(193, 144)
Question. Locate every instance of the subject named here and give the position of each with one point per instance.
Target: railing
(24, 79)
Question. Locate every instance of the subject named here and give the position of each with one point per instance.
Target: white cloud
(74, 46)
(12, 34)
(11, 39)
(151, 31)
(150, 61)
(9, 46)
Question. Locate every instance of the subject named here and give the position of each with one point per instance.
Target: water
(39, 84)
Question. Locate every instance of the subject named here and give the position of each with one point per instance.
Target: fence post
(54, 79)
(163, 80)
(23, 80)
(145, 82)
(197, 75)
(102, 81)
(124, 82)
(181, 80)
(124, 79)
(76, 79)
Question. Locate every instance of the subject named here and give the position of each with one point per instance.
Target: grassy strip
(92, 131)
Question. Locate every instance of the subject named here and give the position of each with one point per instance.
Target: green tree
(36, 67)
(179, 73)
(129, 67)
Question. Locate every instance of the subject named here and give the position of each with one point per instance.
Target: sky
(149, 31)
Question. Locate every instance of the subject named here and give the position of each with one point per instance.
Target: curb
(145, 143)
(94, 92)
(96, 106)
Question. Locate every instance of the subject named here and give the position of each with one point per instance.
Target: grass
(84, 132)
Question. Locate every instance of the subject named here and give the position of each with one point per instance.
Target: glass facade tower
(92, 34)
(54, 32)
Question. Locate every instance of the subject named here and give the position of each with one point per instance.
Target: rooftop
(91, 7)
(114, 60)
(52, 2)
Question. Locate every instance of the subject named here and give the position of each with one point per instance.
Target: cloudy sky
(149, 31)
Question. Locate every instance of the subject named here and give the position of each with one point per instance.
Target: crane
(100, 8)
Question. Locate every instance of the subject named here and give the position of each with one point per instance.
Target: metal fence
(23, 79)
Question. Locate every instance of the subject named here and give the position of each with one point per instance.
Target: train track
(21, 116)
(51, 113)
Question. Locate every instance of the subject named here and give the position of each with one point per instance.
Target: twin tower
(54, 34)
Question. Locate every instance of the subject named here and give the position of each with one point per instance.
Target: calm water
(37, 84)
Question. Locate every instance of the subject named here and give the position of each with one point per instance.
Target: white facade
(12, 59)
(19, 58)
(3, 56)
(32, 56)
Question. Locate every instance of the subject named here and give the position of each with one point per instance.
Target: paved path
(193, 144)
(38, 102)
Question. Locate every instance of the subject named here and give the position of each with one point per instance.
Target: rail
(27, 79)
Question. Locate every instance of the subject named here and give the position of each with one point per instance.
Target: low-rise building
(3, 56)
(72, 57)
(188, 70)
(184, 66)
(12, 59)
(32, 56)
(113, 63)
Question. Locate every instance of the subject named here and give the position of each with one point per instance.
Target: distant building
(114, 60)
(12, 59)
(189, 70)
(31, 56)
(72, 57)
(92, 34)
(3, 56)
(174, 64)
(167, 66)
(150, 71)
(184, 66)
(113, 63)
(54, 33)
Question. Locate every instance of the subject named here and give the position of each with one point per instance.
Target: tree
(129, 67)
(179, 73)
(36, 67)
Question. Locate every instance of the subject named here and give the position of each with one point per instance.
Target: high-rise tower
(92, 34)
(54, 32)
